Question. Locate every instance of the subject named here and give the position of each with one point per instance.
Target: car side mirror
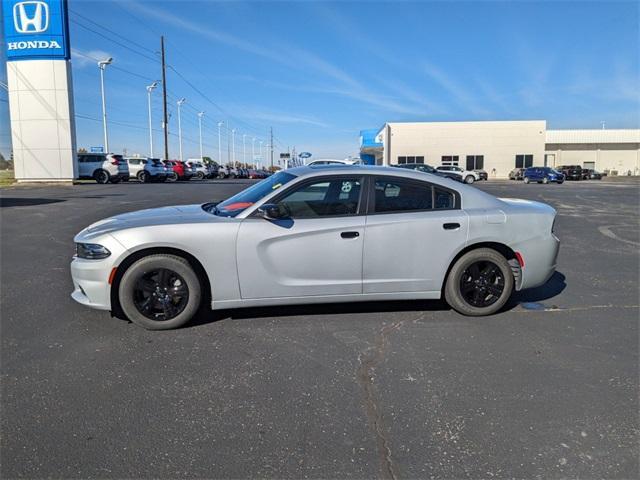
(272, 211)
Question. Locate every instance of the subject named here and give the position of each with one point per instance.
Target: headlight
(91, 251)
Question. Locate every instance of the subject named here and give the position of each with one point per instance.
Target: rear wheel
(469, 179)
(480, 283)
(143, 176)
(200, 176)
(159, 292)
(172, 177)
(526, 180)
(545, 180)
(101, 176)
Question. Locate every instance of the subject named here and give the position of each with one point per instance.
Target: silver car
(317, 234)
(147, 169)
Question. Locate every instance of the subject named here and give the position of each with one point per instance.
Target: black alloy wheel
(482, 284)
(160, 294)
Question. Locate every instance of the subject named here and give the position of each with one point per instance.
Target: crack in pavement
(368, 360)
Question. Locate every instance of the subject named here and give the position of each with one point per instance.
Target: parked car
(483, 175)
(103, 167)
(516, 174)
(199, 170)
(180, 170)
(589, 174)
(332, 161)
(468, 176)
(542, 175)
(146, 169)
(212, 170)
(571, 172)
(423, 167)
(308, 235)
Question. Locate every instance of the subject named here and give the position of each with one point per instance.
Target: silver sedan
(317, 234)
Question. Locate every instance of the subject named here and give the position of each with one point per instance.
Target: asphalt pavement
(546, 389)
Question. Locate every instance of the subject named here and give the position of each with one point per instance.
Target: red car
(181, 171)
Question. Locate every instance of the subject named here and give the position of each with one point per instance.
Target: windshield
(243, 200)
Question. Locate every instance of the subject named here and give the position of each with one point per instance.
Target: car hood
(173, 215)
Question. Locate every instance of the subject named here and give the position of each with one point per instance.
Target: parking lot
(546, 389)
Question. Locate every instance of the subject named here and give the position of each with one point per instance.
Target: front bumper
(91, 282)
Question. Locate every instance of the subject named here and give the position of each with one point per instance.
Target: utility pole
(271, 146)
(165, 119)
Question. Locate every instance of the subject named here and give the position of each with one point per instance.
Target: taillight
(115, 162)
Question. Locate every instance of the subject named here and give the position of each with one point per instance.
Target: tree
(82, 150)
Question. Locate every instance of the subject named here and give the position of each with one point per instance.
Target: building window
(524, 161)
(449, 160)
(475, 162)
(411, 159)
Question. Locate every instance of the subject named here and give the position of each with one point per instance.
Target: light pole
(233, 146)
(180, 102)
(260, 150)
(244, 149)
(150, 89)
(253, 151)
(220, 142)
(102, 64)
(200, 115)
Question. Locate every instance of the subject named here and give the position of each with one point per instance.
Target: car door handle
(451, 226)
(350, 234)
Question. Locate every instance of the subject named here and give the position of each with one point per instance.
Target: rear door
(413, 230)
(316, 251)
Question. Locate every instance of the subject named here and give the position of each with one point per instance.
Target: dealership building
(500, 146)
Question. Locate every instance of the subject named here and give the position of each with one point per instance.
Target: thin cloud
(82, 58)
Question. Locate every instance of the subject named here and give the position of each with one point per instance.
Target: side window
(398, 195)
(323, 198)
(444, 199)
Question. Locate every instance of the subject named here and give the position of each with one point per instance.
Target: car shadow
(203, 317)
(26, 202)
(554, 286)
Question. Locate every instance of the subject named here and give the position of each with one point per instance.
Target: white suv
(468, 176)
(147, 169)
(103, 167)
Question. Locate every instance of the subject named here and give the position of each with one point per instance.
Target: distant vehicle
(483, 175)
(516, 174)
(103, 167)
(571, 172)
(212, 169)
(543, 175)
(423, 167)
(588, 174)
(146, 169)
(200, 171)
(468, 176)
(311, 235)
(330, 161)
(179, 169)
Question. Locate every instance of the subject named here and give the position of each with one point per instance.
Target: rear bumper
(540, 258)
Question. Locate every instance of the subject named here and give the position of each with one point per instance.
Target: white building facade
(500, 146)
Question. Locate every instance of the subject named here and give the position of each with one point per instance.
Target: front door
(413, 230)
(316, 250)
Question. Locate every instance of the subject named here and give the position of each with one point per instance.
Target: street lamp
(180, 102)
(220, 143)
(244, 148)
(260, 150)
(150, 89)
(253, 151)
(233, 146)
(102, 64)
(200, 115)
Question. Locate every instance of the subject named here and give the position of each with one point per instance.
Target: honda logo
(31, 17)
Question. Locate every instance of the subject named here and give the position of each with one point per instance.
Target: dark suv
(542, 175)
(571, 172)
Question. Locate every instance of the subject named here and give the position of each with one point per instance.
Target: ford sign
(304, 155)
(35, 29)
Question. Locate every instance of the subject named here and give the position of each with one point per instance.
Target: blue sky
(319, 72)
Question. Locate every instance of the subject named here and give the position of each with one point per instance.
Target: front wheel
(469, 179)
(172, 177)
(480, 283)
(159, 292)
(143, 176)
(200, 176)
(101, 176)
(545, 180)
(526, 180)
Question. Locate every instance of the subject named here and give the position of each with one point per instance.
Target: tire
(102, 176)
(143, 176)
(199, 176)
(526, 180)
(145, 288)
(560, 183)
(545, 180)
(469, 179)
(494, 291)
(172, 177)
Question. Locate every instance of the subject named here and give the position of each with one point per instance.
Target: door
(315, 251)
(413, 231)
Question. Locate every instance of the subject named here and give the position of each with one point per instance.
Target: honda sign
(35, 29)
